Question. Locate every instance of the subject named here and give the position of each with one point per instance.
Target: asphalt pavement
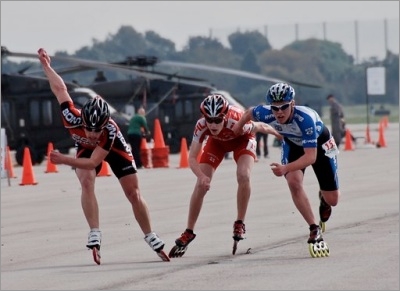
(44, 232)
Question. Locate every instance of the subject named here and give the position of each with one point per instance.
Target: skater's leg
(300, 199)
(88, 198)
(196, 203)
(91, 210)
(197, 198)
(244, 166)
(130, 185)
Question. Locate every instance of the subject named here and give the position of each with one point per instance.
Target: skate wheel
(177, 252)
(324, 249)
(322, 225)
(96, 255)
(235, 243)
(313, 248)
(318, 249)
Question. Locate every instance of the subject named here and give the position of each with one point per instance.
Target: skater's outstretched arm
(57, 84)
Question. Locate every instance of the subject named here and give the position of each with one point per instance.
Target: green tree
(241, 42)
(250, 64)
(391, 63)
(159, 46)
(203, 42)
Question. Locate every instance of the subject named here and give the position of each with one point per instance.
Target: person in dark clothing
(264, 137)
(136, 131)
(338, 122)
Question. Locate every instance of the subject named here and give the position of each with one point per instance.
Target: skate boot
(238, 231)
(157, 245)
(316, 244)
(94, 242)
(182, 244)
(325, 211)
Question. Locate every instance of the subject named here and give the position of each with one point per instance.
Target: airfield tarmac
(43, 230)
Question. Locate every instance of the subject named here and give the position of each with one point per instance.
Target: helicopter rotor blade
(133, 64)
(235, 72)
(152, 75)
(85, 64)
(82, 65)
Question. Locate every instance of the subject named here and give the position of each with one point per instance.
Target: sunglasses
(93, 129)
(280, 107)
(216, 120)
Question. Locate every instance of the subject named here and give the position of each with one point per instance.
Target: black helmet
(280, 92)
(95, 113)
(214, 105)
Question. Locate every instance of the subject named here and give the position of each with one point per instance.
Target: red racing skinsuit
(226, 141)
(119, 157)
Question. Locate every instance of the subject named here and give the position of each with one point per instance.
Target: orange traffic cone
(385, 121)
(160, 152)
(158, 135)
(8, 164)
(184, 161)
(28, 177)
(381, 140)
(348, 146)
(104, 171)
(51, 168)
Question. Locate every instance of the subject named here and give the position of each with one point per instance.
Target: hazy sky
(60, 25)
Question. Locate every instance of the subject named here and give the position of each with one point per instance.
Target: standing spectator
(264, 137)
(136, 131)
(337, 119)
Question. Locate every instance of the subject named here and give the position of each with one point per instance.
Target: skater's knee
(133, 196)
(331, 197)
(243, 178)
(333, 203)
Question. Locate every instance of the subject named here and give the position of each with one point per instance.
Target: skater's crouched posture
(307, 141)
(215, 128)
(97, 138)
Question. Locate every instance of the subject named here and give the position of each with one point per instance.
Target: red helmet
(214, 105)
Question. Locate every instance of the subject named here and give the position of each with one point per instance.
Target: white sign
(376, 81)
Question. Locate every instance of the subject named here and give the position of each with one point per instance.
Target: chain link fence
(362, 39)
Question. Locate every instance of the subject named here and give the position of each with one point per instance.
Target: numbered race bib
(330, 147)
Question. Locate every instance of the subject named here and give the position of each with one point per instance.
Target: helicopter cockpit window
(34, 113)
(47, 113)
(188, 109)
(5, 113)
(41, 113)
(179, 109)
(184, 109)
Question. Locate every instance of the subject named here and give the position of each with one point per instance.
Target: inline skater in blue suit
(307, 142)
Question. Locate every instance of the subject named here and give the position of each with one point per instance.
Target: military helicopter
(169, 97)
